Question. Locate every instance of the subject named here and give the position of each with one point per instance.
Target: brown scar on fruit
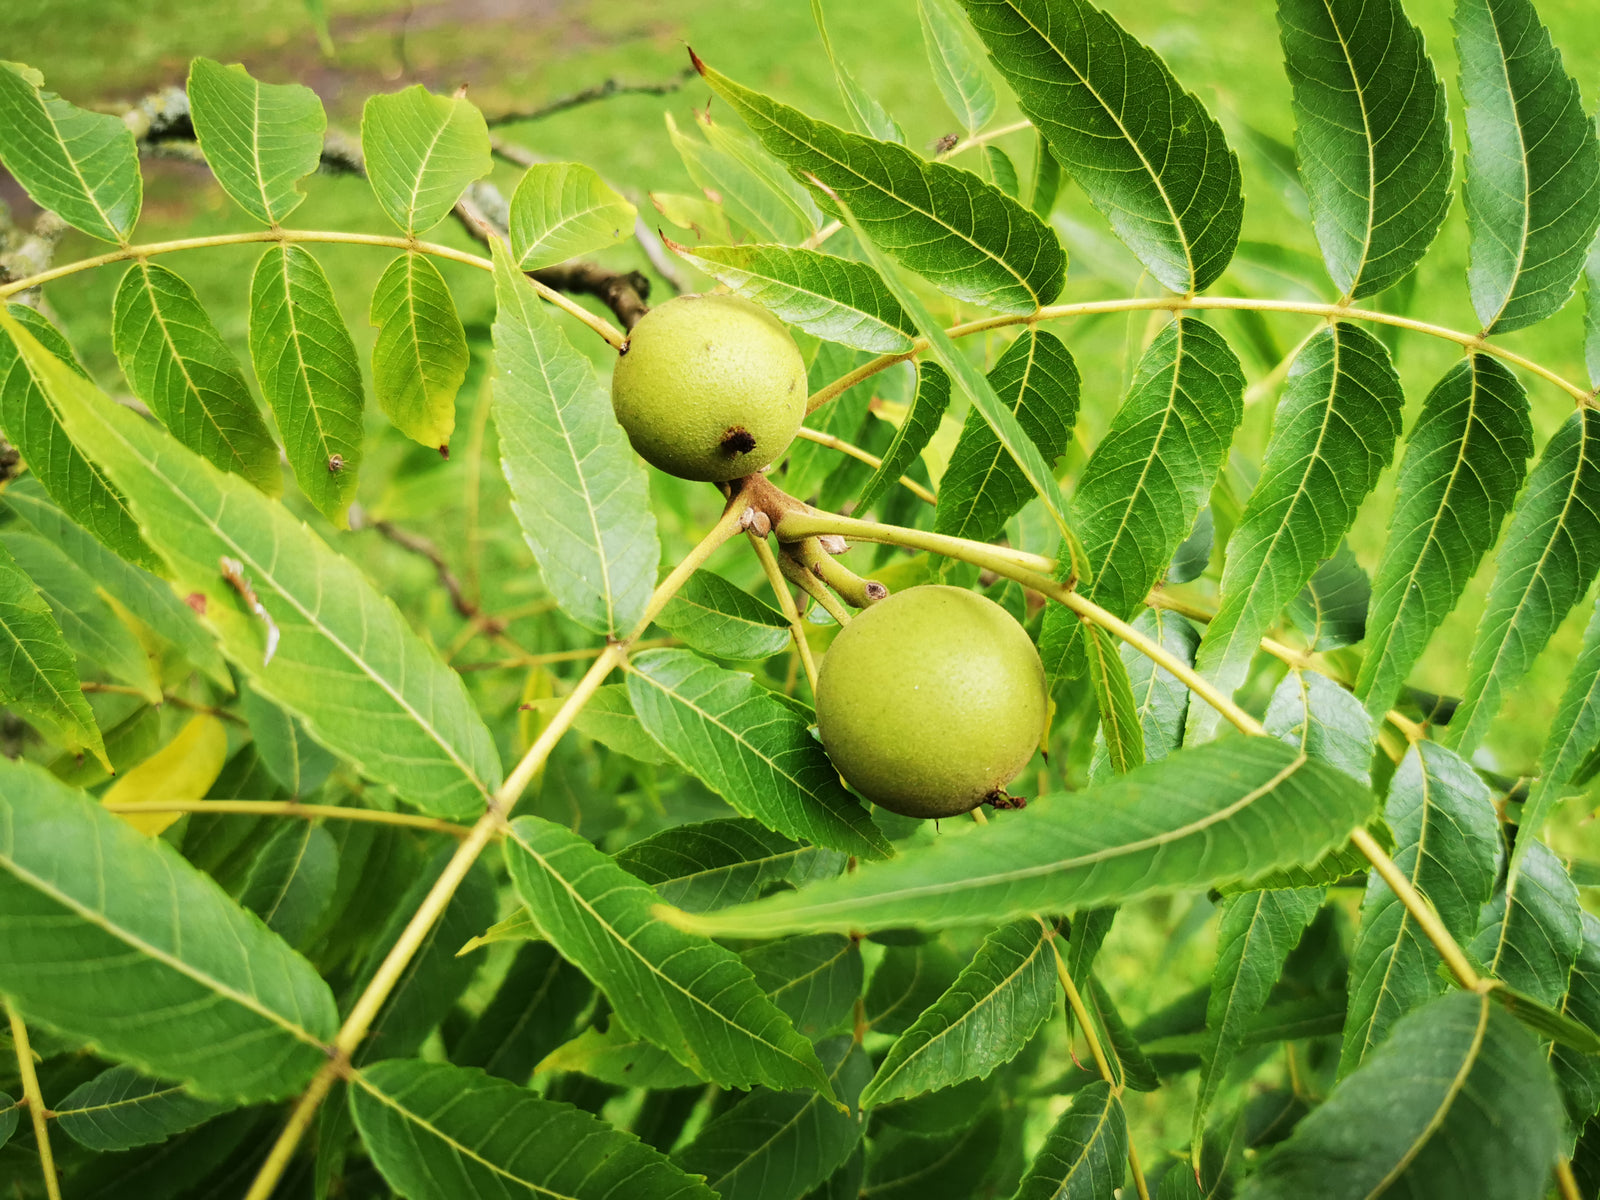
(999, 799)
(737, 440)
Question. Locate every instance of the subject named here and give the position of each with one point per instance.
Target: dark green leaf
(119, 1109)
(1446, 843)
(307, 367)
(1578, 1071)
(690, 996)
(563, 210)
(531, 1014)
(1146, 152)
(82, 166)
(1229, 811)
(1046, 178)
(291, 882)
(1256, 933)
(577, 487)
(1533, 165)
(837, 299)
(712, 864)
(621, 1059)
(1591, 311)
(1130, 1066)
(950, 1167)
(782, 1144)
(1162, 699)
(750, 748)
(439, 1132)
(715, 617)
(915, 432)
(983, 1020)
(966, 236)
(1551, 556)
(421, 152)
(1570, 745)
(260, 139)
(1458, 1102)
(178, 364)
(1463, 466)
(292, 758)
(983, 488)
(1372, 135)
(1314, 712)
(1333, 433)
(1121, 722)
(192, 988)
(1084, 1157)
(957, 65)
(33, 426)
(420, 356)
(1331, 610)
(814, 978)
(1531, 932)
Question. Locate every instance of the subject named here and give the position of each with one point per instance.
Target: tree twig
(589, 95)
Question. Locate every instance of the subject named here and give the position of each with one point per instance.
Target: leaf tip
(695, 60)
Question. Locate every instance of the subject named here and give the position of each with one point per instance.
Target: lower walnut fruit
(931, 701)
(711, 387)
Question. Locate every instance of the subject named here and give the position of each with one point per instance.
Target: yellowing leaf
(182, 770)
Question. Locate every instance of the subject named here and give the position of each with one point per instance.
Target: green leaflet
(617, 1057)
(1446, 844)
(533, 1012)
(1458, 1102)
(1233, 810)
(837, 299)
(908, 981)
(915, 432)
(260, 139)
(750, 748)
(346, 663)
(562, 210)
(808, 464)
(1569, 748)
(683, 992)
(1533, 165)
(983, 488)
(1046, 178)
(1162, 699)
(577, 488)
(421, 152)
(965, 236)
(1576, 1071)
(1372, 136)
(1331, 610)
(712, 864)
(1146, 152)
(815, 978)
(38, 673)
(1551, 556)
(957, 65)
(306, 364)
(1333, 434)
(1121, 723)
(436, 1132)
(299, 764)
(82, 166)
(33, 426)
(782, 1143)
(717, 618)
(948, 1167)
(1254, 937)
(85, 951)
(1530, 933)
(1591, 315)
(1463, 466)
(291, 881)
(1084, 1157)
(1312, 711)
(982, 1021)
(866, 114)
(94, 632)
(609, 719)
(756, 192)
(177, 363)
(420, 357)
(119, 1109)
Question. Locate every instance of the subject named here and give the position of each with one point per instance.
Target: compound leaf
(421, 152)
(119, 1109)
(260, 139)
(921, 422)
(420, 356)
(715, 617)
(712, 864)
(1084, 1157)
(563, 210)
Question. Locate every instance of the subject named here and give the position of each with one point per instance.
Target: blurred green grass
(518, 54)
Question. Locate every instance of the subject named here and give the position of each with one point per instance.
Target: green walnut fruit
(710, 387)
(931, 701)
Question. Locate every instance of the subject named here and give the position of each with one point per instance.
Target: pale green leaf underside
(1233, 810)
(1160, 697)
(135, 950)
(260, 139)
(957, 64)
(1533, 165)
(1333, 434)
(1458, 1102)
(420, 356)
(750, 748)
(82, 166)
(1372, 136)
(577, 488)
(1146, 152)
(755, 191)
(347, 664)
(683, 992)
(438, 1132)
(421, 152)
(715, 617)
(609, 719)
(307, 367)
(563, 210)
(119, 1109)
(299, 764)
(964, 235)
(178, 364)
(1121, 724)
(836, 299)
